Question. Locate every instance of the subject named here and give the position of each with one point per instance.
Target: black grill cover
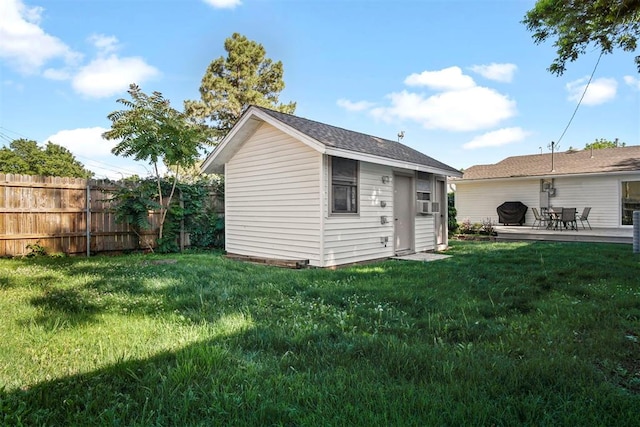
(511, 213)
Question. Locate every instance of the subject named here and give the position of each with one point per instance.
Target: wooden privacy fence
(68, 215)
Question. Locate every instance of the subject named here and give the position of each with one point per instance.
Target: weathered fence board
(61, 214)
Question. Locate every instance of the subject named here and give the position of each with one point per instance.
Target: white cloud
(460, 110)
(104, 44)
(355, 106)
(600, 90)
(498, 72)
(94, 152)
(86, 142)
(632, 81)
(450, 78)
(25, 45)
(497, 138)
(458, 105)
(107, 76)
(223, 4)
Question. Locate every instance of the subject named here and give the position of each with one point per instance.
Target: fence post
(88, 225)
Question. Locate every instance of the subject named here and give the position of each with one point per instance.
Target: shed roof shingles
(618, 159)
(357, 142)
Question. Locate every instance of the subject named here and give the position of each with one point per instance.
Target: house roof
(582, 162)
(328, 140)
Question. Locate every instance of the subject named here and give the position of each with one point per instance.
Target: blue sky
(462, 78)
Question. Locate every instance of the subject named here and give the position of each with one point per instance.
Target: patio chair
(568, 218)
(555, 214)
(538, 219)
(584, 217)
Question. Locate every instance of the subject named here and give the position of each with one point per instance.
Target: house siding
(272, 198)
(478, 200)
(355, 238)
(425, 237)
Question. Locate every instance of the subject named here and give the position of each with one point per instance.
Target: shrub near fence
(64, 215)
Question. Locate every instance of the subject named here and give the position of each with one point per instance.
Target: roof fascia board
(354, 155)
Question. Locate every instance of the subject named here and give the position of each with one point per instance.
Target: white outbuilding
(297, 189)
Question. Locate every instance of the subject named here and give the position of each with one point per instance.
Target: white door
(441, 225)
(403, 214)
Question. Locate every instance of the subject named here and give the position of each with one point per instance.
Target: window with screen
(344, 186)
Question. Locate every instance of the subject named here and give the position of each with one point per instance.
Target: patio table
(555, 219)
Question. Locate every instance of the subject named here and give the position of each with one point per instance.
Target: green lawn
(499, 334)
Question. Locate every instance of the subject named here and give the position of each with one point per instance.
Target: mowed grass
(499, 334)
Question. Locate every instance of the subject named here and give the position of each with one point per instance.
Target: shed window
(630, 200)
(423, 187)
(344, 185)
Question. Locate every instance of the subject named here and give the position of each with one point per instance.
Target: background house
(607, 180)
(303, 190)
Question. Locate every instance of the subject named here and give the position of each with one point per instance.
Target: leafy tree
(26, 157)
(230, 85)
(576, 24)
(149, 129)
(603, 143)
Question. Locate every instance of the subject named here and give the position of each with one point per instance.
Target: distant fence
(65, 215)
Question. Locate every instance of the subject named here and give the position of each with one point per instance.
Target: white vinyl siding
(356, 238)
(601, 193)
(272, 198)
(425, 233)
(479, 200)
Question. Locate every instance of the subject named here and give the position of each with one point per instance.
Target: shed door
(403, 214)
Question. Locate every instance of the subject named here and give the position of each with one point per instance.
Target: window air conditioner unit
(428, 207)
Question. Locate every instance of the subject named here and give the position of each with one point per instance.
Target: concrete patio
(600, 235)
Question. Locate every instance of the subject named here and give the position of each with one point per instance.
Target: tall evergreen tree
(230, 85)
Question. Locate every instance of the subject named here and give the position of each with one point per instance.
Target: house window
(344, 186)
(630, 200)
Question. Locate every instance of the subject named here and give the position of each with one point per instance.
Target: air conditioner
(427, 207)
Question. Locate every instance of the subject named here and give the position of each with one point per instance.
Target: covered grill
(511, 213)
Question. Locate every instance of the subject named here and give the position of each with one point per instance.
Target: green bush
(452, 212)
(192, 207)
